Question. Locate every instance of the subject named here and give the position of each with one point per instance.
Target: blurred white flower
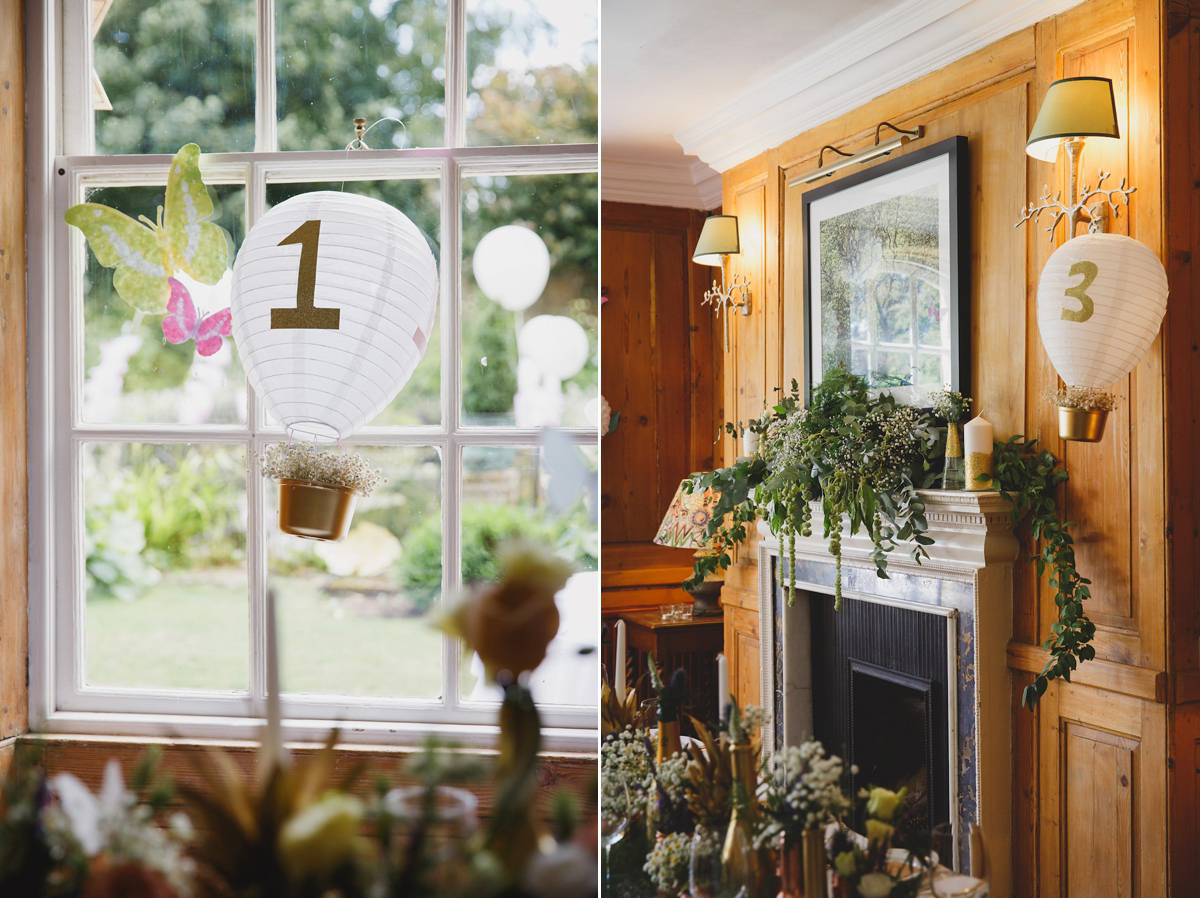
(567, 870)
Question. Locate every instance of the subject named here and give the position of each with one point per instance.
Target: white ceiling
(668, 63)
(690, 88)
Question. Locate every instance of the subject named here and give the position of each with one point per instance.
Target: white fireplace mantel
(967, 579)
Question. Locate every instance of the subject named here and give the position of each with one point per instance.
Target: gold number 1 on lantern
(306, 315)
(1086, 306)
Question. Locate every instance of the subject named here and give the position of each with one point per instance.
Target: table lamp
(683, 527)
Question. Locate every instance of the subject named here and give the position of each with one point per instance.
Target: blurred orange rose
(510, 623)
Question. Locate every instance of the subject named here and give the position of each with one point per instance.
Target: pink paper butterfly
(183, 324)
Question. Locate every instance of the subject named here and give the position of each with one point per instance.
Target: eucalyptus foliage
(862, 457)
(1030, 477)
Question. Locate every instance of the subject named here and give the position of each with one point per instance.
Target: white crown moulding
(910, 40)
(686, 184)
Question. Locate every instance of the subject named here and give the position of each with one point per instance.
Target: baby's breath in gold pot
(317, 490)
(1082, 412)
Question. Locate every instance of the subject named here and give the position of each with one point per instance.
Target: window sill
(86, 756)
(378, 736)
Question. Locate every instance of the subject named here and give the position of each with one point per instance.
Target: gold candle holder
(669, 743)
(739, 860)
(980, 463)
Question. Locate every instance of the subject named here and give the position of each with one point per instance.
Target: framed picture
(886, 274)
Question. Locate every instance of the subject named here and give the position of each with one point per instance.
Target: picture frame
(887, 276)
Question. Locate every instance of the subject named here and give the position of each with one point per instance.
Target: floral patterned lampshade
(687, 518)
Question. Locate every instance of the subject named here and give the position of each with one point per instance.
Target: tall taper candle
(978, 434)
(722, 686)
(619, 663)
(273, 752)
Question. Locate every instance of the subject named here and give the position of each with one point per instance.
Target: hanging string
(360, 132)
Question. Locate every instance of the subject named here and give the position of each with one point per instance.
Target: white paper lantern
(511, 266)
(556, 344)
(1101, 301)
(352, 299)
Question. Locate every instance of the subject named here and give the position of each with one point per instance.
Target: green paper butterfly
(146, 255)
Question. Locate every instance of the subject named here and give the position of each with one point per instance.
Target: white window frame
(60, 168)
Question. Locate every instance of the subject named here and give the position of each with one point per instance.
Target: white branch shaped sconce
(1074, 110)
(718, 239)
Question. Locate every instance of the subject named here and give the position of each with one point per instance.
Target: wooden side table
(690, 644)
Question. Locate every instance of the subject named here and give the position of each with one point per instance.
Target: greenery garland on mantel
(863, 458)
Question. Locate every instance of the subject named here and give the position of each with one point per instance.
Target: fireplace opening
(880, 678)
(891, 735)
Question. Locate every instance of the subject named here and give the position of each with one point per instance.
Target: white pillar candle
(750, 443)
(978, 435)
(619, 663)
(723, 697)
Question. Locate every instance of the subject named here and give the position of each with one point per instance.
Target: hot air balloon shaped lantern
(1101, 297)
(334, 299)
(1101, 301)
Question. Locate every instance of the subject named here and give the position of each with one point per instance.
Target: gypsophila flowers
(302, 461)
(745, 725)
(950, 404)
(1089, 398)
(803, 790)
(626, 773)
(668, 862)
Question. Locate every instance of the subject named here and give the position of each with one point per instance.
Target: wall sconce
(1074, 110)
(718, 239)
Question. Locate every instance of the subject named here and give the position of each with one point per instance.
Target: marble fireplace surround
(967, 579)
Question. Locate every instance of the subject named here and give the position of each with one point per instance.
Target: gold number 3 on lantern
(1089, 272)
(306, 315)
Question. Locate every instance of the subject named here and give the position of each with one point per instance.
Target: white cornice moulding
(683, 184)
(913, 39)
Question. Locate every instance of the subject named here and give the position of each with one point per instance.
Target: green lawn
(184, 634)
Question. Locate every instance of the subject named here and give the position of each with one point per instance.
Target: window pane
(165, 566)
(132, 374)
(532, 70)
(505, 493)
(336, 61)
(352, 615)
(420, 400)
(168, 74)
(553, 380)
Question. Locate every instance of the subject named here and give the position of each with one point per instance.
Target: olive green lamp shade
(1074, 107)
(718, 237)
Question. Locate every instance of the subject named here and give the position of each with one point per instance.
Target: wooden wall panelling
(1181, 331)
(742, 652)
(1025, 790)
(1181, 337)
(1116, 491)
(658, 371)
(14, 577)
(1103, 814)
(1101, 481)
(750, 345)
